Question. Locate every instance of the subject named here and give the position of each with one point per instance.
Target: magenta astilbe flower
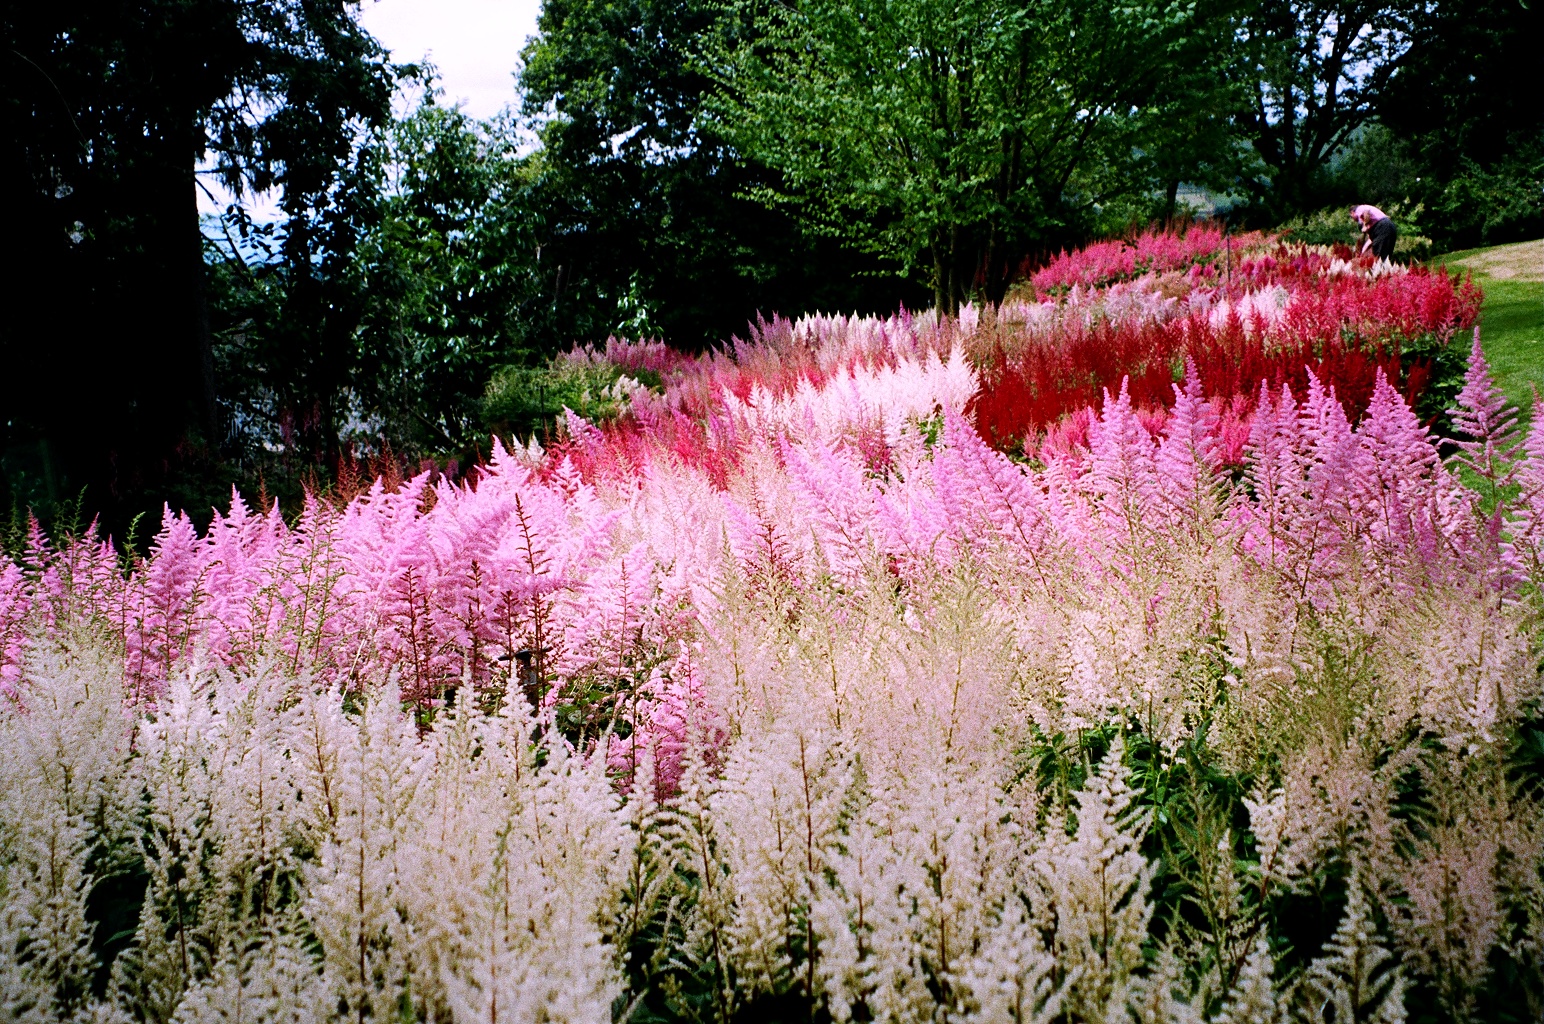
(15, 603)
(1488, 419)
(167, 605)
(912, 521)
(1123, 471)
(1188, 456)
(987, 499)
(1275, 473)
(831, 489)
(1329, 515)
(1394, 478)
(1528, 507)
(243, 592)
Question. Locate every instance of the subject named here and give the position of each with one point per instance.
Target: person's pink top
(1370, 212)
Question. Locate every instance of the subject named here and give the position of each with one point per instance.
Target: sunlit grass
(1512, 321)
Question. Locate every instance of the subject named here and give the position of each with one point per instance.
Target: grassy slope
(1512, 321)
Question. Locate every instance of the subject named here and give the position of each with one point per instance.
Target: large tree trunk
(940, 274)
(203, 341)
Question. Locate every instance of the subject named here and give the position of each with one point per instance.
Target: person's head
(1366, 215)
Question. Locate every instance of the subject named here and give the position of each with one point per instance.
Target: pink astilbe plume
(1488, 419)
(1189, 456)
(1395, 478)
(1528, 528)
(15, 603)
(1275, 472)
(985, 498)
(166, 605)
(1122, 470)
(831, 489)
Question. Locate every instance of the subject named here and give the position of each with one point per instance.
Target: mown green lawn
(1512, 319)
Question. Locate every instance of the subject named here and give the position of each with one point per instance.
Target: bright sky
(474, 43)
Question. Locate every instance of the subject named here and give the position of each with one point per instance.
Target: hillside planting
(1134, 650)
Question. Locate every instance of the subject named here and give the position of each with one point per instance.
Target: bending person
(1378, 231)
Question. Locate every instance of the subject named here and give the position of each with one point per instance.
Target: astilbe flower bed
(791, 694)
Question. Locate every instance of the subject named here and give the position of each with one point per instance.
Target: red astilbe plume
(1103, 262)
(1490, 422)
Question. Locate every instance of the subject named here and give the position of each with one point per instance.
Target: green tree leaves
(951, 135)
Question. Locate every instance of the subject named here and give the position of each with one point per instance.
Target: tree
(951, 135)
(1464, 104)
(110, 114)
(1319, 68)
(643, 210)
(449, 276)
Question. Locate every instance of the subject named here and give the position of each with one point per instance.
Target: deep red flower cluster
(1339, 321)
(1155, 252)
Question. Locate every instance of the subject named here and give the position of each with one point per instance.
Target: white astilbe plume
(514, 883)
(780, 801)
(1359, 981)
(1268, 823)
(1452, 913)
(924, 885)
(851, 914)
(278, 982)
(1332, 803)
(1253, 999)
(61, 759)
(1160, 997)
(254, 805)
(354, 889)
(1013, 977)
(693, 831)
(1096, 884)
(887, 396)
(184, 923)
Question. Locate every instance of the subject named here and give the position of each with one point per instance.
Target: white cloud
(474, 43)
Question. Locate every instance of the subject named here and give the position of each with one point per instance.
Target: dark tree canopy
(110, 110)
(1318, 68)
(953, 135)
(1467, 104)
(649, 223)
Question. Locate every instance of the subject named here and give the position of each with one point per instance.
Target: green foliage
(1464, 106)
(448, 277)
(643, 211)
(947, 136)
(1512, 319)
(1330, 226)
(1318, 70)
(523, 400)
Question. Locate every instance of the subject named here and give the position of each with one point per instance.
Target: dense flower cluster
(787, 694)
(1117, 259)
